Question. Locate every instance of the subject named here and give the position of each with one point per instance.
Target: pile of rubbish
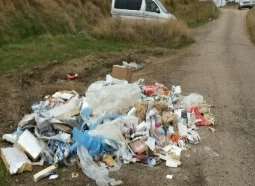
(115, 123)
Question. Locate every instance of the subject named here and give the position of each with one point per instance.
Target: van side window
(128, 4)
(151, 6)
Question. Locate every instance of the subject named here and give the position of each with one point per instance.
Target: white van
(246, 4)
(140, 9)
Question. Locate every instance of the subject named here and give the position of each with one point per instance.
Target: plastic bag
(110, 130)
(192, 100)
(91, 169)
(117, 98)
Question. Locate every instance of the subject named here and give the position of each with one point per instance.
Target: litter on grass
(115, 122)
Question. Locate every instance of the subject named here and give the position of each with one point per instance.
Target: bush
(192, 12)
(167, 34)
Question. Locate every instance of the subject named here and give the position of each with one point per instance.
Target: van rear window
(128, 4)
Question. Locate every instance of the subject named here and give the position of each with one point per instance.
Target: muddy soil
(220, 66)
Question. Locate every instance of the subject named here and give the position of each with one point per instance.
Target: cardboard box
(121, 72)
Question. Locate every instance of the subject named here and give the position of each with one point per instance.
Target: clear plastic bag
(92, 170)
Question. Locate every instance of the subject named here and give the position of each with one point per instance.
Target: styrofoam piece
(53, 176)
(28, 142)
(169, 176)
(66, 95)
(172, 163)
(15, 160)
(44, 173)
(116, 182)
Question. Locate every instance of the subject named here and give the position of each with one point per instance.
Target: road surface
(221, 66)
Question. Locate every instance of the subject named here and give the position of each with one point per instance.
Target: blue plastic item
(95, 145)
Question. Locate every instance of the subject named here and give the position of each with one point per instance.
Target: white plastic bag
(117, 98)
(192, 100)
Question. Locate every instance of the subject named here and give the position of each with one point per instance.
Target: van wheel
(239, 7)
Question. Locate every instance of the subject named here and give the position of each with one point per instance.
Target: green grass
(46, 48)
(4, 177)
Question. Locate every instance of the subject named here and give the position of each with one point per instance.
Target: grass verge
(251, 24)
(46, 48)
(3, 174)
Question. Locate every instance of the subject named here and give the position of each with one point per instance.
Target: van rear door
(127, 9)
(152, 11)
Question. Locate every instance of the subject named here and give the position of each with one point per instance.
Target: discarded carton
(15, 160)
(121, 72)
(29, 143)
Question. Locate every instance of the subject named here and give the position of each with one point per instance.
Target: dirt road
(221, 66)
